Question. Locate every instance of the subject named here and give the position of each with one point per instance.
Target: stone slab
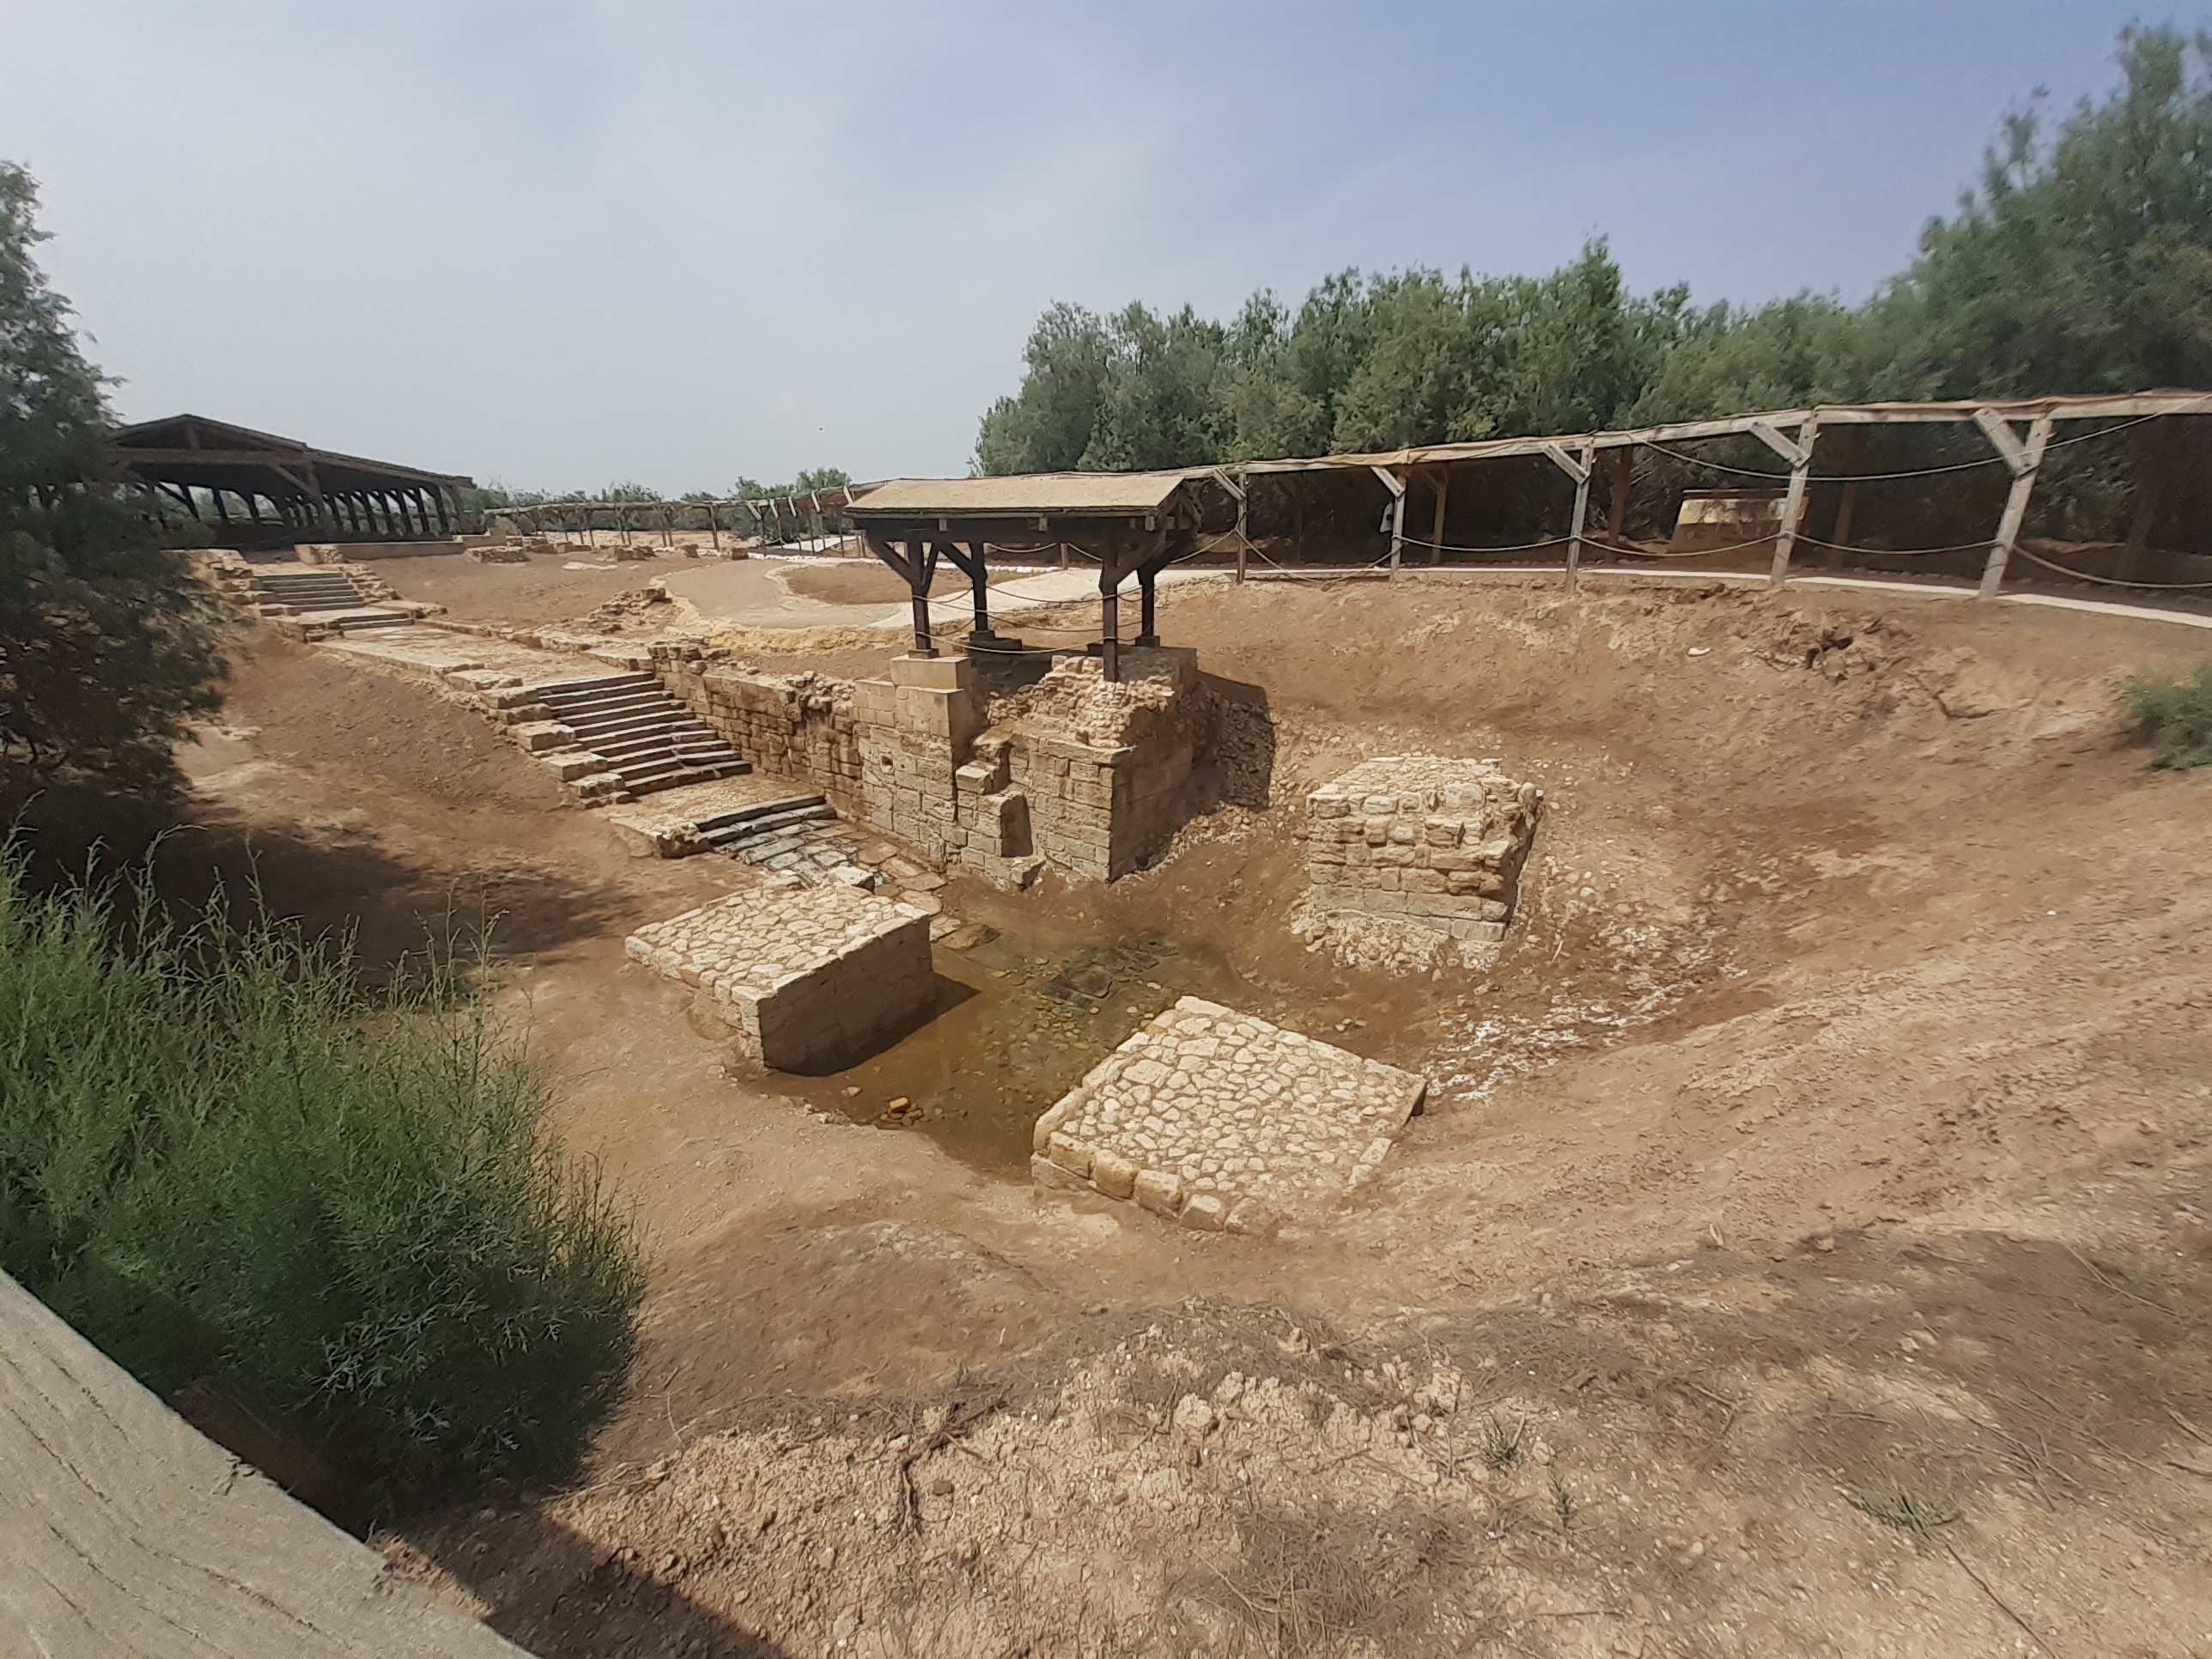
(811, 976)
(1220, 1120)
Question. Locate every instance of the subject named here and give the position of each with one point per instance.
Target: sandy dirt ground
(1805, 1250)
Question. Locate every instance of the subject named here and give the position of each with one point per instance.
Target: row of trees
(810, 479)
(2081, 263)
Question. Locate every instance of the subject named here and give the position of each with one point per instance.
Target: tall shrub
(224, 1166)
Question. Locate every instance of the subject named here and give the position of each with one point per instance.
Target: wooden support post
(1243, 546)
(1148, 627)
(2148, 454)
(1579, 470)
(715, 525)
(1581, 513)
(1297, 520)
(1799, 454)
(1624, 473)
(1110, 620)
(2023, 459)
(1063, 556)
(970, 561)
(1439, 480)
(1396, 483)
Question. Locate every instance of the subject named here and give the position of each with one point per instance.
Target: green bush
(223, 1165)
(2181, 710)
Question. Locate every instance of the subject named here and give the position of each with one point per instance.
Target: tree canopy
(2081, 263)
(108, 644)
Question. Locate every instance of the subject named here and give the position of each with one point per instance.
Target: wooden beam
(1624, 472)
(2016, 506)
(1793, 499)
(1578, 470)
(1582, 475)
(1798, 452)
(2002, 440)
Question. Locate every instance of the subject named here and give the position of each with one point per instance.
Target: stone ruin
(1086, 774)
(1221, 1122)
(812, 977)
(1419, 842)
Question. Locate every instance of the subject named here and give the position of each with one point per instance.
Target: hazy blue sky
(550, 242)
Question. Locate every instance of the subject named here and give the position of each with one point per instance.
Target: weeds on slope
(227, 1168)
(2179, 711)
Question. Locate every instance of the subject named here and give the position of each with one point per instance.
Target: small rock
(1193, 1416)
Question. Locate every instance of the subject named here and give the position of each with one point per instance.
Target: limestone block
(1159, 1191)
(571, 766)
(1205, 1212)
(1071, 1155)
(1112, 1173)
(536, 736)
(1046, 1173)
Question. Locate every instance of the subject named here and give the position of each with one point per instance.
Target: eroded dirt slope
(1805, 1250)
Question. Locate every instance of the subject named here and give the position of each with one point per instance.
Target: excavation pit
(1221, 1122)
(812, 978)
(1021, 1016)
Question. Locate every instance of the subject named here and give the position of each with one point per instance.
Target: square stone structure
(1219, 1121)
(1088, 774)
(1421, 839)
(812, 977)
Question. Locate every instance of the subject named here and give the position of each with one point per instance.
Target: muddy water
(1024, 1020)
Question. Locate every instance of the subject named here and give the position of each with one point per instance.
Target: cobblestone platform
(812, 977)
(1219, 1121)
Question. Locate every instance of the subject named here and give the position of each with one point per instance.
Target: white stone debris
(1222, 1121)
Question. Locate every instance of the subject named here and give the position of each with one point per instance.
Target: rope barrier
(2113, 582)
(1982, 546)
(1885, 478)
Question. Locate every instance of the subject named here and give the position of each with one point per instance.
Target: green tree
(1046, 427)
(2081, 263)
(109, 645)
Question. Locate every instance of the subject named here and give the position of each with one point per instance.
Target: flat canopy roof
(193, 450)
(1032, 496)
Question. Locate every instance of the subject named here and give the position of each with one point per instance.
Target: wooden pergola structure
(311, 495)
(2017, 430)
(813, 512)
(1131, 523)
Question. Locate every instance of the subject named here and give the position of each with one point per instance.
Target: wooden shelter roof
(1031, 496)
(193, 450)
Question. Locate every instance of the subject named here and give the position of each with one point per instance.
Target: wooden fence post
(2023, 459)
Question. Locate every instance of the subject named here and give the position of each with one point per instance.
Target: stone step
(739, 839)
(597, 685)
(733, 768)
(624, 696)
(759, 809)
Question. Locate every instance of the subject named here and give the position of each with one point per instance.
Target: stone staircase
(616, 737)
(321, 598)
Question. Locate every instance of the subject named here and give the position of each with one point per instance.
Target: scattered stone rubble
(1222, 1121)
(1421, 841)
(812, 977)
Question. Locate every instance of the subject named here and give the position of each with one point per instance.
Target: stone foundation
(812, 977)
(1089, 775)
(1419, 839)
(1221, 1122)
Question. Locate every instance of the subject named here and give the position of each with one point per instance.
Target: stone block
(1206, 1111)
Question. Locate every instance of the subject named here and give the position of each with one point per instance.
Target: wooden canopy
(1132, 523)
(310, 494)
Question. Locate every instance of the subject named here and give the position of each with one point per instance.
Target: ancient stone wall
(1422, 839)
(1089, 775)
(801, 727)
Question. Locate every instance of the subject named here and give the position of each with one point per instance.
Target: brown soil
(1806, 1248)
